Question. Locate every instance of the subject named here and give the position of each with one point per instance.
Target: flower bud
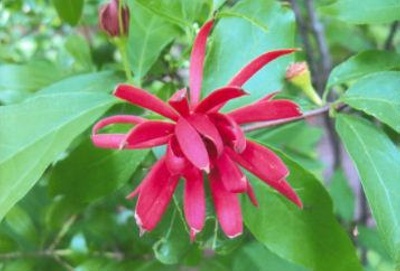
(299, 75)
(109, 21)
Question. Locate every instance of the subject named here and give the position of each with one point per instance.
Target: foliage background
(62, 201)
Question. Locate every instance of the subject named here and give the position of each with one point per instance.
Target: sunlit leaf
(377, 95)
(362, 64)
(34, 133)
(310, 237)
(377, 160)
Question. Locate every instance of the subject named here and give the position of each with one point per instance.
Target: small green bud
(299, 75)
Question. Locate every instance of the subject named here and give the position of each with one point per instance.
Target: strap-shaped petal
(227, 207)
(192, 145)
(150, 134)
(112, 141)
(207, 129)
(108, 141)
(142, 98)
(267, 166)
(231, 176)
(119, 119)
(174, 159)
(230, 131)
(218, 98)
(255, 65)
(197, 62)
(180, 103)
(251, 194)
(266, 110)
(155, 194)
(194, 201)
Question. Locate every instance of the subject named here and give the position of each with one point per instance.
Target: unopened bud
(109, 19)
(299, 75)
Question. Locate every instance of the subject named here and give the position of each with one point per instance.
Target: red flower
(200, 139)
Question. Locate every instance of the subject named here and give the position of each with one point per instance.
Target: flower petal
(255, 65)
(194, 201)
(266, 110)
(149, 134)
(251, 194)
(155, 193)
(267, 166)
(207, 129)
(231, 176)
(197, 61)
(218, 98)
(174, 160)
(179, 102)
(230, 131)
(108, 141)
(119, 119)
(227, 207)
(192, 145)
(142, 98)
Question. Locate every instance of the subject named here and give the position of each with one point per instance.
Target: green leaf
(310, 237)
(363, 64)
(34, 133)
(28, 77)
(89, 173)
(104, 81)
(148, 36)
(182, 13)
(79, 49)
(370, 12)
(244, 32)
(255, 256)
(377, 160)
(69, 11)
(171, 248)
(22, 225)
(377, 95)
(342, 196)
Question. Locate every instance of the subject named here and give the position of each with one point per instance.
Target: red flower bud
(109, 21)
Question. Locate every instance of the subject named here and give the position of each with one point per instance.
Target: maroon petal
(109, 141)
(146, 100)
(267, 166)
(194, 201)
(149, 134)
(207, 129)
(192, 145)
(197, 61)
(155, 193)
(180, 102)
(251, 194)
(219, 98)
(119, 119)
(174, 160)
(230, 131)
(266, 110)
(231, 176)
(255, 65)
(227, 207)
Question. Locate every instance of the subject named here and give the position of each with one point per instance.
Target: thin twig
(392, 33)
(304, 35)
(67, 225)
(324, 56)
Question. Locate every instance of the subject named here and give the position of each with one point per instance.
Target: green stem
(121, 45)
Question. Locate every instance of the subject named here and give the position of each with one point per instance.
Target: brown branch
(303, 30)
(324, 65)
